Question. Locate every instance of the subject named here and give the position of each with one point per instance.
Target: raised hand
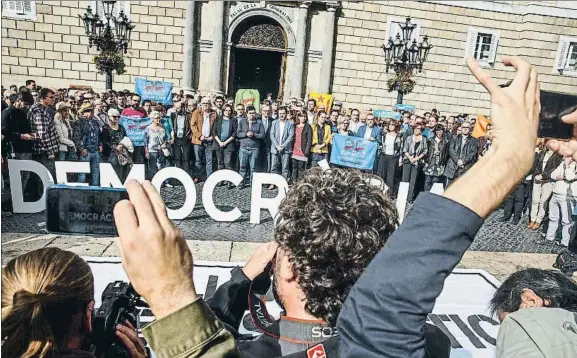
(567, 148)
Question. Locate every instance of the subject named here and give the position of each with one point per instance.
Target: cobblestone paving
(493, 236)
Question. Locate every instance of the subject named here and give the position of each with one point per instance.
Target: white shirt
(568, 172)
(548, 155)
(281, 126)
(180, 118)
(206, 125)
(368, 133)
(389, 144)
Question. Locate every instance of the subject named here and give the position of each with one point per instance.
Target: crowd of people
(340, 262)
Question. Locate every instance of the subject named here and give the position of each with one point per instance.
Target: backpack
(566, 262)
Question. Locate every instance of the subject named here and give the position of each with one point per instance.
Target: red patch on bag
(317, 351)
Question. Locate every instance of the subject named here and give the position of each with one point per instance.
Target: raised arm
(385, 312)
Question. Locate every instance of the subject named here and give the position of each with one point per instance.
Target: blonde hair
(41, 292)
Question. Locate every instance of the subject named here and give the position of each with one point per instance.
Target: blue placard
(157, 91)
(135, 128)
(405, 107)
(353, 152)
(383, 113)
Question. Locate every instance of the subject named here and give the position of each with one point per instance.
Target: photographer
(47, 306)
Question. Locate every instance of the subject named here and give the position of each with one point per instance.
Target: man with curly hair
(330, 226)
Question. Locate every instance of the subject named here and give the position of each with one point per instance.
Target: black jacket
(444, 149)
(306, 139)
(399, 141)
(266, 143)
(187, 132)
(14, 123)
(468, 155)
(232, 132)
(552, 164)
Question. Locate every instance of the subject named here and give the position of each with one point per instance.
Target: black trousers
(410, 175)
(298, 169)
(389, 163)
(181, 152)
(431, 179)
(224, 159)
(138, 155)
(514, 203)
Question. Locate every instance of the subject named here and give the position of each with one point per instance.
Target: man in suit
(462, 154)
(282, 136)
(264, 155)
(201, 124)
(182, 136)
(370, 131)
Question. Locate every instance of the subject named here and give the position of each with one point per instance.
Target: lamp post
(405, 56)
(110, 35)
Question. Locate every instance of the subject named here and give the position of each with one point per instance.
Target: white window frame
(560, 64)
(472, 34)
(392, 20)
(31, 15)
(94, 6)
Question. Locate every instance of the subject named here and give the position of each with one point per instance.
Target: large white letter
(257, 202)
(14, 169)
(63, 168)
(108, 177)
(189, 190)
(208, 188)
(438, 189)
(402, 196)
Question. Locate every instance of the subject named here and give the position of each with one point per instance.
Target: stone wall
(445, 83)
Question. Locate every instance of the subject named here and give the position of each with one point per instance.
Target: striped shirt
(42, 122)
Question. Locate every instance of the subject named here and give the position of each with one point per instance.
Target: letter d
(18, 203)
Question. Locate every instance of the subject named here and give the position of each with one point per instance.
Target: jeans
(224, 159)
(514, 203)
(541, 195)
(410, 175)
(181, 150)
(67, 157)
(560, 209)
(43, 159)
(154, 161)
(248, 160)
(299, 168)
(94, 159)
(431, 179)
(317, 157)
(138, 155)
(203, 156)
(284, 160)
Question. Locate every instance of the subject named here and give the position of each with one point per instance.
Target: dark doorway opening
(258, 69)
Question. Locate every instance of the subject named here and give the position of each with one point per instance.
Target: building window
(482, 45)
(394, 28)
(566, 60)
(98, 8)
(19, 9)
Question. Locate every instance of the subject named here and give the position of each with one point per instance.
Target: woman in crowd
(302, 146)
(389, 156)
(47, 307)
(67, 149)
(344, 128)
(437, 157)
(113, 151)
(414, 150)
(224, 132)
(543, 182)
(155, 144)
(321, 138)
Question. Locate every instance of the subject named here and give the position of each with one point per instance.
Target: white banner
(461, 310)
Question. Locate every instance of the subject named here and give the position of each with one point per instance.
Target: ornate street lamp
(111, 36)
(405, 56)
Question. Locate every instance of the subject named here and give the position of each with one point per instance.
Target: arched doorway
(258, 56)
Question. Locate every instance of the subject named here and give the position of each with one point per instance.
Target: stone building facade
(291, 48)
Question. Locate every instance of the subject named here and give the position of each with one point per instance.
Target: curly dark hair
(332, 224)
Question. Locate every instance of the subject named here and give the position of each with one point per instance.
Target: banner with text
(157, 91)
(461, 310)
(405, 107)
(353, 152)
(135, 128)
(384, 113)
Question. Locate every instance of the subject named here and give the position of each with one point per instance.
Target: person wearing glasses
(462, 153)
(113, 151)
(415, 149)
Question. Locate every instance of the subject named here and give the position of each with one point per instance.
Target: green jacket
(538, 333)
(193, 331)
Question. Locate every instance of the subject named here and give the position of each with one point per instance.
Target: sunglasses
(114, 116)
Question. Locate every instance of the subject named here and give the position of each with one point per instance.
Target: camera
(120, 302)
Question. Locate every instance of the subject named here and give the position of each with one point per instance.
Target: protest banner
(248, 97)
(383, 113)
(135, 128)
(353, 152)
(480, 128)
(322, 98)
(157, 91)
(405, 107)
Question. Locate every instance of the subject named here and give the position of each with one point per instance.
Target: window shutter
(562, 54)
(27, 6)
(471, 42)
(20, 9)
(494, 44)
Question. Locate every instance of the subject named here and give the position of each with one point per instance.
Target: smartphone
(554, 106)
(86, 210)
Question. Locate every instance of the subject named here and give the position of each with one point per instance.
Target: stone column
(188, 64)
(217, 47)
(299, 59)
(327, 59)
